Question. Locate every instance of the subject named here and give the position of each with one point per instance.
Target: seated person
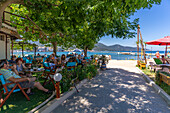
(63, 59)
(38, 54)
(45, 55)
(82, 55)
(10, 77)
(57, 63)
(53, 56)
(74, 59)
(84, 61)
(91, 57)
(48, 65)
(70, 60)
(12, 60)
(164, 61)
(79, 60)
(19, 68)
(28, 60)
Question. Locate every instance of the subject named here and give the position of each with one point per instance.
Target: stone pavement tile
(115, 91)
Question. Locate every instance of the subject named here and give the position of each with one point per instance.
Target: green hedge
(163, 85)
(79, 73)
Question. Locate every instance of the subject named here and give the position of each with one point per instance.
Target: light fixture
(57, 77)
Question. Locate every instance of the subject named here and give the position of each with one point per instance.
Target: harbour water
(114, 55)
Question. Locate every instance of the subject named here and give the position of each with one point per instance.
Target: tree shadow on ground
(115, 90)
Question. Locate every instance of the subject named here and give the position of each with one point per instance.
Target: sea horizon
(114, 54)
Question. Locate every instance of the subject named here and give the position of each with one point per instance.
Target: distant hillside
(116, 47)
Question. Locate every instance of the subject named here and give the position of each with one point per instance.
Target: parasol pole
(166, 51)
(138, 43)
(142, 45)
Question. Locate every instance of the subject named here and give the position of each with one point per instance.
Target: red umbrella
(161, 41)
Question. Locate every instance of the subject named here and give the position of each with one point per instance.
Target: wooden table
(164, 66)
(36, 71)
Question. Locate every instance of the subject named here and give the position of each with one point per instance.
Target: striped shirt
(8, 74)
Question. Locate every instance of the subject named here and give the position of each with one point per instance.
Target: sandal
(49, 92)
(29, 94)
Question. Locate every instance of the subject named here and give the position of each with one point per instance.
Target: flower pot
(103, 67)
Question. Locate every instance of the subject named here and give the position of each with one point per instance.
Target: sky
(154, 24)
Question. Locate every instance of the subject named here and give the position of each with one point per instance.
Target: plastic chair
(158, 61)
(47, 72)
(71, 65)
(8, 91)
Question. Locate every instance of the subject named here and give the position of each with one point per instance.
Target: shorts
(27, 84)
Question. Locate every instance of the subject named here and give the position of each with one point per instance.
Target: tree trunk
(138, 44)
(85, 51)
(35, 49)
(142, 46)
(54, 47)
(22, 50)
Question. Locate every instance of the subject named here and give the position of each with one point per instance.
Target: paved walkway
(121, 89)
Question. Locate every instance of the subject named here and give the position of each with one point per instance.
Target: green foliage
(163, 85)
(157, 78)
(79, 73)
(79, 22)
(17, 102)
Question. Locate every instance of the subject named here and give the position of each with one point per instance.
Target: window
(8, 40)
(2, 38)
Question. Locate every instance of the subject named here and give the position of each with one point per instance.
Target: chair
(71, 66)
(158, 61)
(153, 66)
(48, 71)
(47, 67)
(8, 91)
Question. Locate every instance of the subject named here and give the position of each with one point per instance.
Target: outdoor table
(35, 71)
(165, 66)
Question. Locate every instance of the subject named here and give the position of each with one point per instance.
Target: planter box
(141, 65)
(164, 78)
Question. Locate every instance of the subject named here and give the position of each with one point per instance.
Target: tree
(67, 17)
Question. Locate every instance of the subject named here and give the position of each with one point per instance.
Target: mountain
(116, 47)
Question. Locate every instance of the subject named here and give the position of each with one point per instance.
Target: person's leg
(26, 84)
(29, 90)
(33, 79)
(40, 87)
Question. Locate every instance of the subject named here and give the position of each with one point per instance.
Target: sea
(116, 55)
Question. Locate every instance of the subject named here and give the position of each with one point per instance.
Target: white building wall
(3, 48)
(8, 49)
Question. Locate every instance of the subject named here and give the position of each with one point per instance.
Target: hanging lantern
(61, 34)
(33, 30)
(26, 28)
(40, 35)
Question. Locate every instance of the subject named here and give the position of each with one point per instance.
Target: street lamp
(57, 77)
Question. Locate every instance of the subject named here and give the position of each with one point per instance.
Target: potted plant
(103, 60)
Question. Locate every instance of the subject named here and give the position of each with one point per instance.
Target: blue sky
(154, 23)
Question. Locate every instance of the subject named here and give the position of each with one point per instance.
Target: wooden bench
(142, 65)
(165, 78)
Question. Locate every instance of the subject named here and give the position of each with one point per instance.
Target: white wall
(3, 49)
